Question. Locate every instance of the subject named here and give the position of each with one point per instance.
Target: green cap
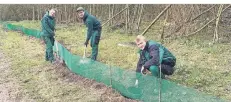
(79, 9)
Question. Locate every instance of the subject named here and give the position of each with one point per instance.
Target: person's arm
(46, 26)
(154, 53)
(89, 30)
(139, 66)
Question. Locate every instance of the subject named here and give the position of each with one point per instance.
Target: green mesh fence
(124, 80)
(27, 31)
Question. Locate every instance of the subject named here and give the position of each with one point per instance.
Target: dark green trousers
(49, 48)
(156, 72)
(95, 38)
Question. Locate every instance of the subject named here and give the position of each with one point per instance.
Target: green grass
(38, 79)
(199, 64)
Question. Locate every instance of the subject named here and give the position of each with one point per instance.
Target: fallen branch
(202, 13)
(157, 17)
(115, 15)
(201, 27)
(188, 21)
(206, 24)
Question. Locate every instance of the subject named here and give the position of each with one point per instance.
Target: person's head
(52, 13)
(80, 12)
(140, 41)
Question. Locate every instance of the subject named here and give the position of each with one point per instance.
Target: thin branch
(157, 17)
(206, 24)
(202, 13)
(115, 15)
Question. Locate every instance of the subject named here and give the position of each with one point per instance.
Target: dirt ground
(9, 87)
(14, 89)
(107, 93)
(6, 84)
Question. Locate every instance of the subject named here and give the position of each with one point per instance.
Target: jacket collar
(146, 46)
(85, 15)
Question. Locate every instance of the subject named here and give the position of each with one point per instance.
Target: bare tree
(216, 38)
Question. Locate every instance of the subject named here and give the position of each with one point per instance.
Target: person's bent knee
(154, 70)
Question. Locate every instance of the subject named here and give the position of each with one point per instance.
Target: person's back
(90, 18)
(167, 55)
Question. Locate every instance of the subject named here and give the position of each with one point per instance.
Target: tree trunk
(135, 12)
(33, 14)
(96, 10)
(216, 37)
(140, 15)
(109, 14)
(165, 21)
(112, 13)
(93, 7)
(69, 14)
(65, 7)
(90, 8)
(27, 13)
(38, 10)
(126, 17)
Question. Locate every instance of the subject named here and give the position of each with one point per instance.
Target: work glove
(86, 43)
(143, 70)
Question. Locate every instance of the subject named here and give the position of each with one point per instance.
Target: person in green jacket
(93, 31)
(48, 28)
(153, 56)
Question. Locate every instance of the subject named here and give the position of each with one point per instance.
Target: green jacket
(92, 24)
(48, 25)
(154, 54)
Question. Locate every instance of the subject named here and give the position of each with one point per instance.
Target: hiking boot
(54, 62)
